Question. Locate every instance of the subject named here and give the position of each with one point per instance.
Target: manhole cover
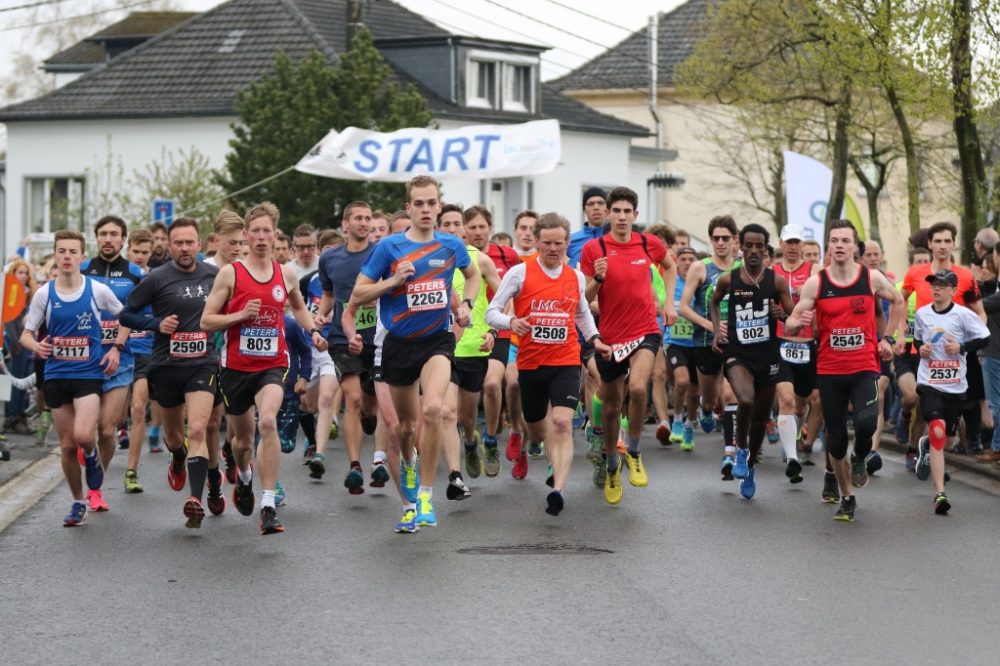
(535, 549)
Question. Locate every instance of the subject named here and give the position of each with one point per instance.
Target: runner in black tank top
(749, 342)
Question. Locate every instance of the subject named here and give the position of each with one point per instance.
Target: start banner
(476, 151)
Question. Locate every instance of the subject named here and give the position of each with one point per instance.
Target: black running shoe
(243, 497)
(216, 500)
(831, 491)
(859, 472)
(941, 504)
(846, 511)
(793, 470)
(227, 457)
(269, 521)
(457, 490)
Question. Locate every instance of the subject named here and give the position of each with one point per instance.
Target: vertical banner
(807, 195)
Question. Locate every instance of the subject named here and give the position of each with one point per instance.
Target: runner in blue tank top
(70, 307)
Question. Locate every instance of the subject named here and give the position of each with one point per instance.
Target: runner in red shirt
(616, 266)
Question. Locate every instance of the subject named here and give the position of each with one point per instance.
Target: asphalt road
(682, 572)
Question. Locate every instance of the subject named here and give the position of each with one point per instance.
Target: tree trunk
(872, 193)
(912, 160)
(778, 189)
(966, 134)
(841, 146)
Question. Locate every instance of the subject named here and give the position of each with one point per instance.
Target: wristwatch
(888, 338)
(314, 329)
(596, 336)
(494, 332)
(120, 347)
(467, 302)
(598, 279)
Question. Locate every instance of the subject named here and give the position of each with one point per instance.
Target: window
(483, 84)
(501, 81)
(517, 88)
(54, 204)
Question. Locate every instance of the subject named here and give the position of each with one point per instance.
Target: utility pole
(353, 19)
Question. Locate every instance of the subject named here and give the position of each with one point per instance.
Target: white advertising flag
(807, 193)
(476, 151)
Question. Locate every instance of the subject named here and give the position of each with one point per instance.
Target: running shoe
(873, 462)
(334, 428)
(132, 484)
(579, 417)
(677, 431)
(154, 443)
(492, 464)
(793, 470)
(596, 451)
(176, 472)
(550, 479)
(772, 431)
(380, 475)
(354, 481)
(554, 503)
(536, 449)
(748, 486)
(123, 442)
(409, 480)
(280, 497)
(740, 467)
(846, 510)
(316, 467)
(96, 500)
(93, 470)
(520, 468)
(600, 473)
(706, 420)
(308, 455)
(243, 498)
(513, 446)
(194, 512)
(663, 433)
(473, 461)
(923, 466)
(368, 423)
(408, 523)
(727, 468)
(425, 511)
(457, 490)
(903, 428)
(941, 504)
(687, 444)
(77, 514)
(613, 490)
(636, 470)
(831, 491)
(230, 460)
(269, 521)
(859, 472)
(911, 459)
(215, 500)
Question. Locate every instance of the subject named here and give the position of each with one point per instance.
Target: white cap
(792, 232)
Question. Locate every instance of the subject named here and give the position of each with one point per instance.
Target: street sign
(163, 211)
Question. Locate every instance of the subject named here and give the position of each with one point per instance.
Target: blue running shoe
(279, 494)
(740, 468)
(923, 466)
(873, 462)
(903, 428)
(409, 480)
(93, 471)
(677, 432)
(425, 511)
(748, 486)
(727, 468)
(408, 523)
(580, 417)
(687, 444)
(77, 514)
(707, 421)
(355, 481)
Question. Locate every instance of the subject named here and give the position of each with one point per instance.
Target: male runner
(549, 302)
(750, 344)
(680, 356)
(183, 378)
(944, 333)
(121, 276)
(161, 254)
(906, 365)
(379, 227)
(76, 363)
(618, 276)
(282, 250)
(841, 300)
(412, 275)
(304, 247)
(247, 302)
(595, 210)
(140, 247)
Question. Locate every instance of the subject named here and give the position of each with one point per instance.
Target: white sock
(245, 476)
(379, 457)
(426, 489)
(788, 433)
(267, 499)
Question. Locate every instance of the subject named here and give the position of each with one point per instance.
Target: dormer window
(501, 81)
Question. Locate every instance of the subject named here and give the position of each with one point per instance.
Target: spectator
(984, 243)
(20, 358)
(991, 365)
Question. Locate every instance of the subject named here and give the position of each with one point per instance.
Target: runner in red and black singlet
(841, 299)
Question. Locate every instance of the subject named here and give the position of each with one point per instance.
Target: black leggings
(861, 391)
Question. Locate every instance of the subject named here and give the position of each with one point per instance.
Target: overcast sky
(573, 36)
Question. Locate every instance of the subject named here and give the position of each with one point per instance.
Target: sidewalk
(23, 453)
(30, 474)
(965, 463)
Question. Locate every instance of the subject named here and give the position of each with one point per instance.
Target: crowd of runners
(432, 335)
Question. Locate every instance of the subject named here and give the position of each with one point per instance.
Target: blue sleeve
(462, 258)
(576, 242)
(378, 263)
(324, 277)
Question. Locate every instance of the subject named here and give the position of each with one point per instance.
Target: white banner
(807, 192)
(476, 151)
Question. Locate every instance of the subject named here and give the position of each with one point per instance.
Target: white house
(178, 89)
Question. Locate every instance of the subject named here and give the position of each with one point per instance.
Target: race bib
(192, 344)
(795, 352)
(258, 341)
(622, 351)
(548, 330)
(75, 348)
(365, 317)
(426, 295)
(752, 331)
(682, 329)
(846, 339)
(944, 372)
(109, 332)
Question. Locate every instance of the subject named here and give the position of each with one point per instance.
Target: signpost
(163, 211)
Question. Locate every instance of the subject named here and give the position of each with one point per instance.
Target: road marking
(29, 487)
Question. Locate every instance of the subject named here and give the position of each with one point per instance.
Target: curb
(29, 487)
(965, 463)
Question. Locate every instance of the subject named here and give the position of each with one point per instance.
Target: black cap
(945, 276)
(594, 192)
